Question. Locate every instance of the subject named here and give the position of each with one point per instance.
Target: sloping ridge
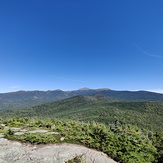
(22, 99)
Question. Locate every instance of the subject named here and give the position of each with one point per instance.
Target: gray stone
(52, 133)
(2, 135)
(15, 129)
(18, 133)
(15, 152)
(38, 131)
(6, 128)
(23, 130)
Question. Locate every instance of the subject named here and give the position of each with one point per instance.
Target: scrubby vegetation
(76, 159)
(124, 143)
(144, 114)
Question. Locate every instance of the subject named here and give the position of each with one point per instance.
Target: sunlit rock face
(16, 152)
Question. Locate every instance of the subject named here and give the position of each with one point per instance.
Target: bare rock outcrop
(16, 152)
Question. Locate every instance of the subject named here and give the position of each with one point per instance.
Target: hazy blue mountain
(31, 98)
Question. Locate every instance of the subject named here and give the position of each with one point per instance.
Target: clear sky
(69, 44)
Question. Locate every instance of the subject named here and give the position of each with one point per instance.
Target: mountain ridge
(21, 98)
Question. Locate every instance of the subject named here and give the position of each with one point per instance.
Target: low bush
(124, 143)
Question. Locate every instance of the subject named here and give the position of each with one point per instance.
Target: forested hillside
(97, 108)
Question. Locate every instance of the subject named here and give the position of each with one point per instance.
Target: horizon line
(85, 88)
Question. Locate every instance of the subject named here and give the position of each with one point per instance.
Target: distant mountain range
(31, 98)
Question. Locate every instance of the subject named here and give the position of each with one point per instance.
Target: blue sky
(69, 44)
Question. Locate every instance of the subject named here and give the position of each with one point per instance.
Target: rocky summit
(16, 152)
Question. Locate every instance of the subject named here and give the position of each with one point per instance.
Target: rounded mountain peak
(84, 89)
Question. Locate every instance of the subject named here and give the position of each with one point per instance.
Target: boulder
(16, 152)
